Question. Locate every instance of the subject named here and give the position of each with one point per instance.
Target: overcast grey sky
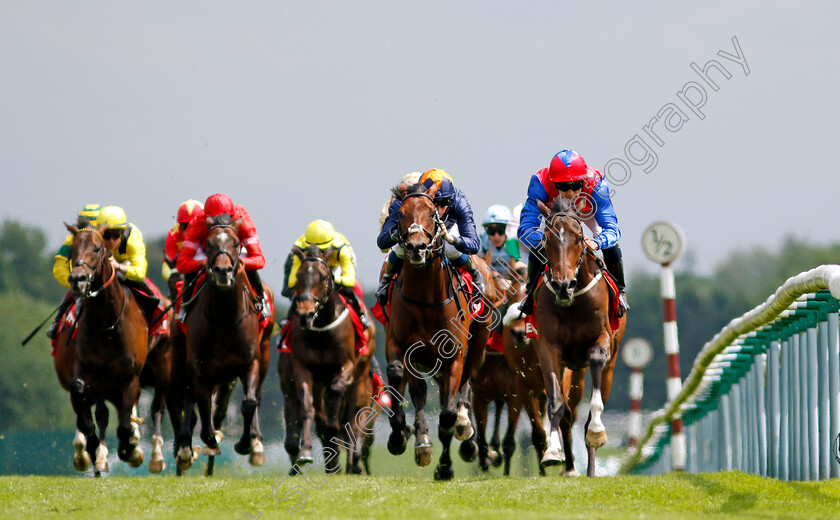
(305, 110)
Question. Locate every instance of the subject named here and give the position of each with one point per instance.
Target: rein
(93, 294)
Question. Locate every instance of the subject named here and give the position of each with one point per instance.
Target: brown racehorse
(224, 343)
(111, 343)
(323, 379)
(572, 314)
(427, 336)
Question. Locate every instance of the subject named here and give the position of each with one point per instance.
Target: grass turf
(721, 496)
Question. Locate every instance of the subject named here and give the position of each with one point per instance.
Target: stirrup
(264, 308)
(52, 331)
(365, 321)
(623, 306)
(182, 315)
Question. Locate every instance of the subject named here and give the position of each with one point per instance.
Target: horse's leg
(185, 454)
(156, 462)
(250, 380)
(335, 401)
(291, 410)
(596, 432)
(400, 432)
(446, 428)
(303, 389)
(493, 454)
(509, 442)
(553, 376)
(422, 442)
(126, 450)
(480, 406)
(102, 416)
(534, 410)
(84, 419)
(203, 400)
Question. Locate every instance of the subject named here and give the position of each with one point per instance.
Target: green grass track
(716, 496)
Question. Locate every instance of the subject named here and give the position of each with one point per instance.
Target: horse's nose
(409, 247)
(75, 279)
(572, 284)
(422, 247)
(223, 270)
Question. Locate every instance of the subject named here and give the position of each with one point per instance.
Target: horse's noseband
(434, 238)
(308, 296)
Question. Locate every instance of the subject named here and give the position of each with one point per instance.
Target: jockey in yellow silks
(322, 234)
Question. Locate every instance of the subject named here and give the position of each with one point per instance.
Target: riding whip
(31, 334)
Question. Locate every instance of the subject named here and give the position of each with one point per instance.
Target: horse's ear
(237, 223)
(208, 222)
(328, 252)
(298, 252)
(71, 228)
(543, 209)
(432, 190)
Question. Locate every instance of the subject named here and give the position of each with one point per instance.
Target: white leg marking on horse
(102, 458)
(257, 446)
(596, 406)
(554, 443)
(79, 441)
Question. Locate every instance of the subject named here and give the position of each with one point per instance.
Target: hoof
(495, 458)
(136, 458)
(101, 463)
(463, 426)
(185, 458)
(81, 461)
(212, 451)
(596, 439)
(196, 452)
(137, 420)
(305, 457)
(552, 458)
(443, 472)
(396, 443)
(219, 436)
(257, 459)
(468, 450)
(423, 451)
(242, 447)
(571, 473)
(156, 465)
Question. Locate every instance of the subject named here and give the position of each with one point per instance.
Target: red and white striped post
(636, 354)
(663, 242)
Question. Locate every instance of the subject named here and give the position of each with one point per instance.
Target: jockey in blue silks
(453, 208)
(569, 177)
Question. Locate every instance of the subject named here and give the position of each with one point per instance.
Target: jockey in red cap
(569, 177)
(175, 238)
(191, 258)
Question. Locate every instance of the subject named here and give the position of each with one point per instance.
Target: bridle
(579, 238)
(308, 296)
(90, 276)
(234, 259)
(435, 239)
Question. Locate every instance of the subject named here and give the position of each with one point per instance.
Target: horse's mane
(83, 223)
(312, 250)
(414, 188)
(562, 205)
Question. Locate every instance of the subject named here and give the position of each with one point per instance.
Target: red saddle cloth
(358, 328)
(200, 280)
(68, 319)
(477, 308)
(494, 342)
(161, 326)
(531, 322)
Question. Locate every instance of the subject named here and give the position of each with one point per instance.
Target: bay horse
(323, 379)
(224, 343)
(430, 333)
(572, 315)
(110, 345)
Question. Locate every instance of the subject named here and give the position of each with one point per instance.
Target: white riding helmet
(496, 214)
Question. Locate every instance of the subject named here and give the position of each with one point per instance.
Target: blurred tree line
(31, 398)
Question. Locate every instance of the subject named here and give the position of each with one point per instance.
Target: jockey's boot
(186, 296)
(612, 257)
(385, 282)
(52, 331)
(535, 269)
(382, 398)
(262, 302)
(353, 300)
(478, 278)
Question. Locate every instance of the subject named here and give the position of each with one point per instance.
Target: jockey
(128, 255)
(323, 234)
(61, 268)
(453, 208)
(175, 238)
(191, 258)
(569, 177)
(503, 251)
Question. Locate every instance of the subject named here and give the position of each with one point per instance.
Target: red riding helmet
(567, 166)
(217, 204)
(187, 210)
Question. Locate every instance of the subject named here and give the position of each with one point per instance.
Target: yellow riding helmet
(320, 232)
(90, 213)
(113, 217)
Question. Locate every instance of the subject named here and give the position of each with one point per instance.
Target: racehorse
(431, 333)
(573, 320)
(323, 379)
(224, 342)
(111, 344)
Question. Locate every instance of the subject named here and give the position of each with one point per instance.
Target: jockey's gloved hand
(449, 238)
(395, 235)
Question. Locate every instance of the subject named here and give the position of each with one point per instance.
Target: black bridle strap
(319, 302)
